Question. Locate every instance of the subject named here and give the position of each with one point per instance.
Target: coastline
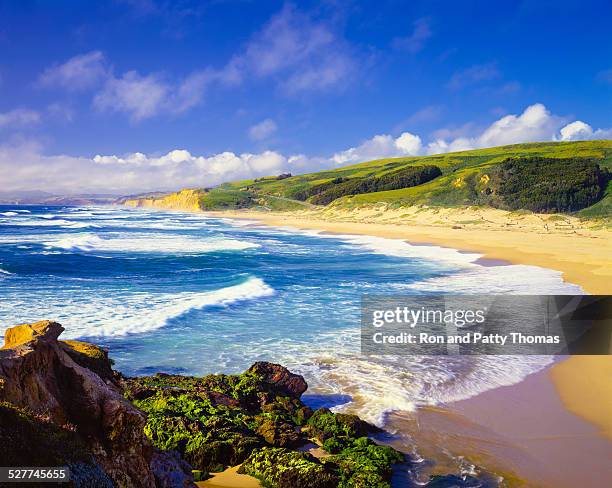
(581, 253)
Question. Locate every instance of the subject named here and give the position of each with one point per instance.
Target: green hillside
(478, 177)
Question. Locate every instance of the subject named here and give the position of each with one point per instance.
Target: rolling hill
(569, 177)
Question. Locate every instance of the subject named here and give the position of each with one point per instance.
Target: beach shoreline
(581, 253)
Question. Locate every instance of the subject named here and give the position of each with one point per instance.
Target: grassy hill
(467, 178)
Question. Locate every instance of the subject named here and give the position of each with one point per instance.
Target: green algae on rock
(257, 419)
(280, 467)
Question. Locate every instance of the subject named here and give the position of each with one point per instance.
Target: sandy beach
(556, 420)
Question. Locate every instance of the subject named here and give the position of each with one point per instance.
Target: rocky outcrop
(284, 381)
(185, 200)
(52, 380)
(257, 419)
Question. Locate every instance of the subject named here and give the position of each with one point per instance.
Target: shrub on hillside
(547, 184)
(403, 178)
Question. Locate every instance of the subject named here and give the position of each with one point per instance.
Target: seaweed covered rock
(39, 375)
(278, 433)
(323, 425)
(217, 421)
(257, 419)
(364, 464)
(282, 468)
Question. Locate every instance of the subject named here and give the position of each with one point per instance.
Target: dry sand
(585, 386)
(230, 478)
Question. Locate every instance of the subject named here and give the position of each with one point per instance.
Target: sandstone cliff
(186, 200)
(65, 396)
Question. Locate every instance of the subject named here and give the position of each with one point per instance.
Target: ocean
(190, 294)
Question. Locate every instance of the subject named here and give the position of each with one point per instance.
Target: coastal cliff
(185, 200)
(62, 405)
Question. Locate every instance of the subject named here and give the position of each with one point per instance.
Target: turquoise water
(185, 293)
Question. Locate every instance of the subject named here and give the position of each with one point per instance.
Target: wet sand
(521, 431)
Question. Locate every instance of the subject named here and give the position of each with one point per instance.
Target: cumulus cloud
(134, 172)
(380, 146)
(78, 73)
(473, 75)
(580, 131)
(415, 42)
(536, 123)
(262, 130)
(18, 118)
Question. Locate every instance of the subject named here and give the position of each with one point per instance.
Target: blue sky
(148, 94)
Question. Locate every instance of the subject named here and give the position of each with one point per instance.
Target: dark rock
(280, 378)
(170, 470)
(323, 424)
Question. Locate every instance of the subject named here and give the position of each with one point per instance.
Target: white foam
(146, 243)
(138, 312)
(43, 223)
(514, 279)
(240, 222)
(378, 385)
(5, 272)
(386, 246)
(9, 214)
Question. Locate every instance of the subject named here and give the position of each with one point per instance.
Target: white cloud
(19, 117)
(78, 73)
(146, 96)
(441, 146)
(380, 146)
(134, 172)
(536, 123)
(296, 50)
(139, 96)
(575, 131)
(415, 41)
(580, 131)
(262, 130)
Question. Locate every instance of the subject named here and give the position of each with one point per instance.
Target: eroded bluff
(61, 404)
